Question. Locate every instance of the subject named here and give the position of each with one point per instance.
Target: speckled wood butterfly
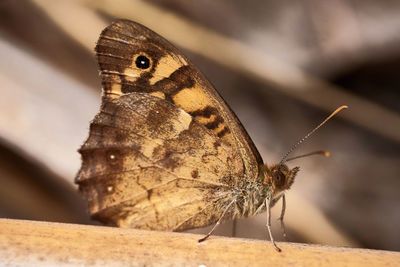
(166, 152)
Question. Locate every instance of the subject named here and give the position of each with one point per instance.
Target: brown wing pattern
(133, 58)
(147, 164)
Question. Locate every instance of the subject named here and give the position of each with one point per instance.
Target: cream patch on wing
(205, 120)
(148, 147)
(185, 119)
(113, 91)
(192, 99)
(166, 66)
(131, 74)
(182, 122)
(158, 94)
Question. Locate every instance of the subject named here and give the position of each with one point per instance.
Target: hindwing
(148, 164)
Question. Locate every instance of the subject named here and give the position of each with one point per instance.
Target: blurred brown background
(281, 65)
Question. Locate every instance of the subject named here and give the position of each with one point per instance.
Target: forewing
(169, 75)
(148, 164)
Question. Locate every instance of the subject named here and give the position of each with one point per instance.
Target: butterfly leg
(218, 222)
(282, 215)
(267, 204)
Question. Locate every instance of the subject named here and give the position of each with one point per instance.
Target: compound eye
(279, 179)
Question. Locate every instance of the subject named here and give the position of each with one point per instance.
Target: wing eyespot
(142, 62)
(113, 157)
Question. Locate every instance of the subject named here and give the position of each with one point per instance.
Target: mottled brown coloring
(165, 151)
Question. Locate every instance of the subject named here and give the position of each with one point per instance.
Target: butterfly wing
(148, 164)
(133, 58)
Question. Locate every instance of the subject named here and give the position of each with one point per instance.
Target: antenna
(283, 160)
(319, 152)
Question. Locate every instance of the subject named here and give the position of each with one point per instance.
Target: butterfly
(166, 152)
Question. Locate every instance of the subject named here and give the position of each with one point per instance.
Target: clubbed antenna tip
(327, 154)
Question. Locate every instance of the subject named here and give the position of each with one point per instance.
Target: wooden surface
(28, 243)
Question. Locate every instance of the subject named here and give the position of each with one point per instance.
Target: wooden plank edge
(30, 243)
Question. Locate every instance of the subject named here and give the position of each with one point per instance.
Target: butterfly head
(279, 177)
